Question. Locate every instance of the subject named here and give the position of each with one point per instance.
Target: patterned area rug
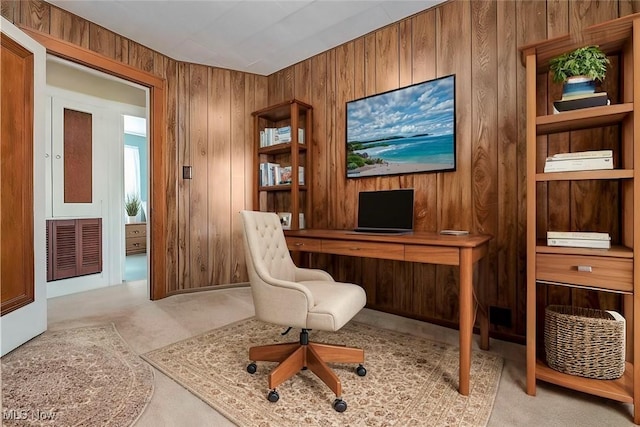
(76, 377)
(410, 381)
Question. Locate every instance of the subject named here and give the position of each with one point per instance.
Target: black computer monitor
(385, 211)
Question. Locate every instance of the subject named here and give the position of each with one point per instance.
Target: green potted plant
(132, 206)
(579, 69)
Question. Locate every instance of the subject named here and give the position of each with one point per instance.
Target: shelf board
(610, 36)
(583, 118)
(606, 288)
(616, 251)
(585, 175)
(285, 187)
(620, 389)
(283, 148)
(281, 111)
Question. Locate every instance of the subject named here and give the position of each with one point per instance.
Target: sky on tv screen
(425, 108)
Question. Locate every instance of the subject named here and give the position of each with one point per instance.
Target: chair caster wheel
(339, 405)
(273, 396)
(361, 371)
(252, 368)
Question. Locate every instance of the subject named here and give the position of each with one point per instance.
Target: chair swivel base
(296, 356)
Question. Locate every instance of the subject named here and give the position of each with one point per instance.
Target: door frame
(158, 218)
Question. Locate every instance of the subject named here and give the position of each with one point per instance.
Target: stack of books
(272, 136)
(579, 161)
(283, 134)
(285, 175)
(274, 174)
(578, 101)
(579, 239)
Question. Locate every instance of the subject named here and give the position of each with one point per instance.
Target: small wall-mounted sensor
(187, 172)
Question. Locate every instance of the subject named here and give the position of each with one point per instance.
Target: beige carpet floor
(148, 325)
(405, 385)
(75, 377)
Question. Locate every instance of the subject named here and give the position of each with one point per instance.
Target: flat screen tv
(406, 130)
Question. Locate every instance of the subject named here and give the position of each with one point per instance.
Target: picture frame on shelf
(285, 220)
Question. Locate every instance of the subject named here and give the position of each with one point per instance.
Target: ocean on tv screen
(406, 155)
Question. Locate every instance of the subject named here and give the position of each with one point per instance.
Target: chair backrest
(276, 296)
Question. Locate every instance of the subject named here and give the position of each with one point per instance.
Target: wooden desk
(429, 248)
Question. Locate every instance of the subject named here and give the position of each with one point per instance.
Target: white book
(273, 170)
(581, 155)
(585, 164)
(300, 136)
(589, 235)
(580, 243)
(263, 174)
(301, 175)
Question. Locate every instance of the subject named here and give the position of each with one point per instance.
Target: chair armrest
(305, 274)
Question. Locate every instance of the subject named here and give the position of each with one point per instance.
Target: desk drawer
(364, 249)
(136, 245)
(136, 230)
(432, 254)
(303, 245)
(606, 272)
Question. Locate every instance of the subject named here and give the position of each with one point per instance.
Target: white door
(21, 324)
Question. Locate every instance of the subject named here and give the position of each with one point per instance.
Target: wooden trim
(92, 59)
(158, 279)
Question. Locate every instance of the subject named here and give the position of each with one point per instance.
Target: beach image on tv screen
(407, 130)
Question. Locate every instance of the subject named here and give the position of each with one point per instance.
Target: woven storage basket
(584, 341)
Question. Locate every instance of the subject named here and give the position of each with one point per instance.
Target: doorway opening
(156, 89)
(136, 197)
(111, 99)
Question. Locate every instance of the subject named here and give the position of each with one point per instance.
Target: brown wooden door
(16, 176)
(22, 228)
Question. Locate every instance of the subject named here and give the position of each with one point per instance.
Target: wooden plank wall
(478, 41)
(209, 127)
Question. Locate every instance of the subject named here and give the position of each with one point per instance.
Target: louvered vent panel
(62, 241)
(65, 247)
(74, 248)
(91, 258)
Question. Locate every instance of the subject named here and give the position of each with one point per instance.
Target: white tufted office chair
(286, 295)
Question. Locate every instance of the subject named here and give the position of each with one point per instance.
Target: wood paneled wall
(214, 136)
(478, 41)
(209, 128)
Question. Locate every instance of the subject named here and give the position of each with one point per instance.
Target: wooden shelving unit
(293, 197)
(617, 269)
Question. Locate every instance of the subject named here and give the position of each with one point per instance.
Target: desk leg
(466, 318)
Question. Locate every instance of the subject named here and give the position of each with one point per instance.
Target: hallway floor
(135, 267)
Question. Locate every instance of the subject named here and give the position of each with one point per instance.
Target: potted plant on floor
(579, 70)
(132, 205)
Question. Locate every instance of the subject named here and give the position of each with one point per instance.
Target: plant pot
(578, 85)
(131, 219)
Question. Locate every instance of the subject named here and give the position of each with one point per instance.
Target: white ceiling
(255, 36)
